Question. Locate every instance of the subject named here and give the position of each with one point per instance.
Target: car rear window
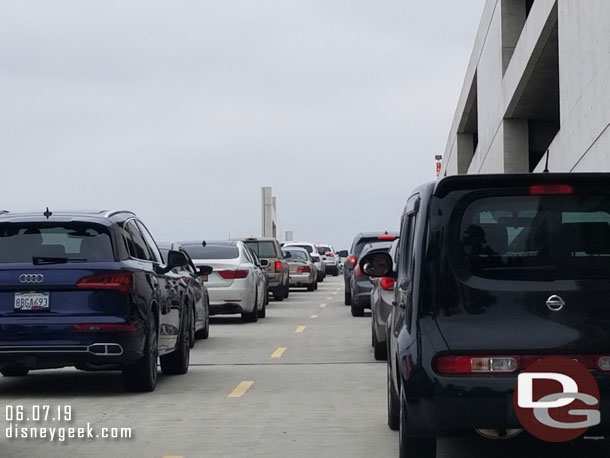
(530, 237)
(309, 248)
(362, 242)
(21, 243)
(297, 254)
(212, 251)
(324, 249)
(264, 249)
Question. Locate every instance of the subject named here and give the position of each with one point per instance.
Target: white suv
(312, 249)
(330, 259)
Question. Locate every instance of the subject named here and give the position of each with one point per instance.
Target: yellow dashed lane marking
(278, 352)
(329, 298)
(335, 293)
(314, 316)
(240, 389)
(322, 306)
(172, 456)
(300, 330)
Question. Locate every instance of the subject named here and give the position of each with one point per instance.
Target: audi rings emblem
(31, 278)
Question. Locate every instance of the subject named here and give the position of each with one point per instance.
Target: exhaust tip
(106, 349)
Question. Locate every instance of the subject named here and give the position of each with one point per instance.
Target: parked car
(277, 271)
(360, 299)
(330, 259)
(302, 268)
(238, 283)
(494, 272)
(90, 290)
(382, 297)
(190, 284)
(315, 255)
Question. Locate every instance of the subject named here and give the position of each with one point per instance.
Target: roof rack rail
(2, 212)
(109, 213)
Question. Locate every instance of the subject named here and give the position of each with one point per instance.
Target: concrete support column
(516, 145)
(268, 213)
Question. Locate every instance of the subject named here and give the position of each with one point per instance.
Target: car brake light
(468, 365)
(330, 255)
(278, 266)
(233, 274)
(117, 281)
(303, 270)
(352, 260)
(386, 237)
(106, 327)
(386, 283)
(550, 189)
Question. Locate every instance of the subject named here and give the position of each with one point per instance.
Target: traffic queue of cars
(94, 290)
(489, 275)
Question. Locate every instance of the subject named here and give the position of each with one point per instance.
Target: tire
(279, 294)
(286, 291)
(205, 332)
(393, 402)
(315, 286)
(262, 313)
(142, 376)
(336, 273)
(15, 371)
(357, 311)
(348, 298)
(413, 446)
(192, 327)
(380, 349)
(311, 287)
(177, 362)
(251, 317)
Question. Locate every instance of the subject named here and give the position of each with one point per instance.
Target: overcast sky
(181, 110)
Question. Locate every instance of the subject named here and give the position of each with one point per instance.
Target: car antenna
(546, 167)
(47, 214)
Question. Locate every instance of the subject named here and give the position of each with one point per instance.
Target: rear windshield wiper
(37, 260)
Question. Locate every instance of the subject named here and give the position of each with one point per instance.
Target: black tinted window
(135, 242)
(324, 250)
(264, 249)
(77, 241)
(535, 237)
(212, 251)
(306, 247)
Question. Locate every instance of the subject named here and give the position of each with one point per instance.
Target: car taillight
(106, 327)
(387, 283)
(330, 255)
(551, 189)
(118, 281)
(357, 271)
(468, 365)
(352, 260)
(233, 274)
(303, 270)
(386, 237)
(278, 266)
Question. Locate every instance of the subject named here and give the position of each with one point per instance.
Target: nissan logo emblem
(31, 278)
(555, 303)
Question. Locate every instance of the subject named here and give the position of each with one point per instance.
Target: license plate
(204, 278)
(32, 301)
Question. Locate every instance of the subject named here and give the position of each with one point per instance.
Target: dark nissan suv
(494, 273)
(89, 290)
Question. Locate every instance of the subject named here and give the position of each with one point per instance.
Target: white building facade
(538, 80)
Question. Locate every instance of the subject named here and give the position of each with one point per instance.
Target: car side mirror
(205, 270)
(342, 253)
(264, 262)
(377, 264)
(176, 259)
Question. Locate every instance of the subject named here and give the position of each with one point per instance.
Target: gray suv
(278, 271)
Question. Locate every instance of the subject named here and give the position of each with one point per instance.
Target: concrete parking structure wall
(538, 80)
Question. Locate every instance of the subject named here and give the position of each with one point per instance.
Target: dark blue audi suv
(90, 290)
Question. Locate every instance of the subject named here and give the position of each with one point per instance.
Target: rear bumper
(51, 345)
(381, 310)
(301, 279)
(230, 300)
(361, 292)
(460, 404)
